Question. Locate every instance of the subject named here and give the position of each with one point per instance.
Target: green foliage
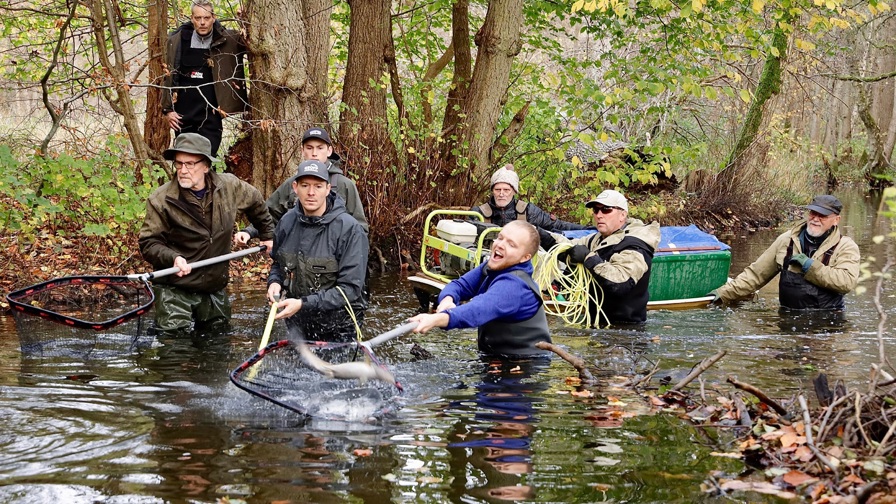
(99, 195)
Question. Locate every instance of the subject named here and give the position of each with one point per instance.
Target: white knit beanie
(508, 176)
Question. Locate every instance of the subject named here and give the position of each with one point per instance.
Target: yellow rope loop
(570, 286)
(351, 313)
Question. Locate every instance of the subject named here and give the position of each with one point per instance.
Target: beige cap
(609, 198)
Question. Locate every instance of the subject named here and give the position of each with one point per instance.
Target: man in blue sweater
(502, 299)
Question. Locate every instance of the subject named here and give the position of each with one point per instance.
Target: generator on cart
(454, 242)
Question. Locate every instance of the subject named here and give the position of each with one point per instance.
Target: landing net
(278, 374)
(81, 315)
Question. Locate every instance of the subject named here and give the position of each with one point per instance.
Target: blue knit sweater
(492, 295)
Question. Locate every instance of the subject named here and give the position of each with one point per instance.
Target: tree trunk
(729, 180)
(362, 126)
(155, 126)
(105, 23)
(317, 39)
(499, 42)
(283, 92)
(452, 122)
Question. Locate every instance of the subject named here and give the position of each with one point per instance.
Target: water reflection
(493, 445)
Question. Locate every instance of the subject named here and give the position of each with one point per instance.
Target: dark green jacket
(177, 224)
(283, 199)
(226, 53)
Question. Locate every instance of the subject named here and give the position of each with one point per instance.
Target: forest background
(745, 104)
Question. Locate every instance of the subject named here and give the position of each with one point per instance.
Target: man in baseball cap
(618, 256)
(817, 264)
(316, 146)
(320, 261)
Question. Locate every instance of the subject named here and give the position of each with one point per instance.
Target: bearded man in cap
(817, 264)
(503, 206)
(189, 219)
(320, 261)
(618, 256)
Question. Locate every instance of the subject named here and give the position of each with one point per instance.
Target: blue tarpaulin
(675, 239)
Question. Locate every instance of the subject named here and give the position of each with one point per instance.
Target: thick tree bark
(283, 91)
(452, 122)
(499, 42)
(362, 125)
(317, 38)
(155, 126)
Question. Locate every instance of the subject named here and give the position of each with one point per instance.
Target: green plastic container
(687, 275)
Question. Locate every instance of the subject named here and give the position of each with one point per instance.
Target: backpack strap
(521, 207)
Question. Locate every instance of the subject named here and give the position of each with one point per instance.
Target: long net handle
(394, 333)
(198, 264)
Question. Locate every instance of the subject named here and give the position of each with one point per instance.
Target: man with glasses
(191, 218)
(619, 256)
(504, 207)
(206, 79)
(817, 264)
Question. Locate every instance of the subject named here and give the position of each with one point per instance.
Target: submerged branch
(576, 362)
(746, 387)
(704, 365)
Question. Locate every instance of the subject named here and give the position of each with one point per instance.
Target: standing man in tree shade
(206, 78)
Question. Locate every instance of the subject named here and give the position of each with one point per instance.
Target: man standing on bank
(206, 78)
(192, 218)
(817, 264)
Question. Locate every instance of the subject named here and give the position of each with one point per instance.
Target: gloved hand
(803, 260)
(547, 239)
(716, 299)
(577, 254)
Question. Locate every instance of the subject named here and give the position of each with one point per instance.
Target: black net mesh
(278, 374)
(86, 316)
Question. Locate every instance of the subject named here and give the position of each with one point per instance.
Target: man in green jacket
(192, 218)
(316, 146)
(817, 264)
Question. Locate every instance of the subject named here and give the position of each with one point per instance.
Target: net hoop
(281, 344)
(15, 301)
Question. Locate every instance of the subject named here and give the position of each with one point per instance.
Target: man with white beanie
(504, 207)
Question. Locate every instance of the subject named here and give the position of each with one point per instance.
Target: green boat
(687, 265)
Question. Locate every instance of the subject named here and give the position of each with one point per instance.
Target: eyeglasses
(816, 215)
(604, 209)
(502, 190)
(186, 164)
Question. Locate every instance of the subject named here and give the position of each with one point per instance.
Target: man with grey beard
(817, 264)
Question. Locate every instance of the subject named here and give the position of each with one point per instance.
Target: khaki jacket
(841, 274)
(176, 225)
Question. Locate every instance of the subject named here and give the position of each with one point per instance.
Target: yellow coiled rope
(570, 288)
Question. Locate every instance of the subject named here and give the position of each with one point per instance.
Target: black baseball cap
(312, 169)
(318, 133)
(825, 204)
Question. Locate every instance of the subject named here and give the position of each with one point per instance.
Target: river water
(163, 423)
